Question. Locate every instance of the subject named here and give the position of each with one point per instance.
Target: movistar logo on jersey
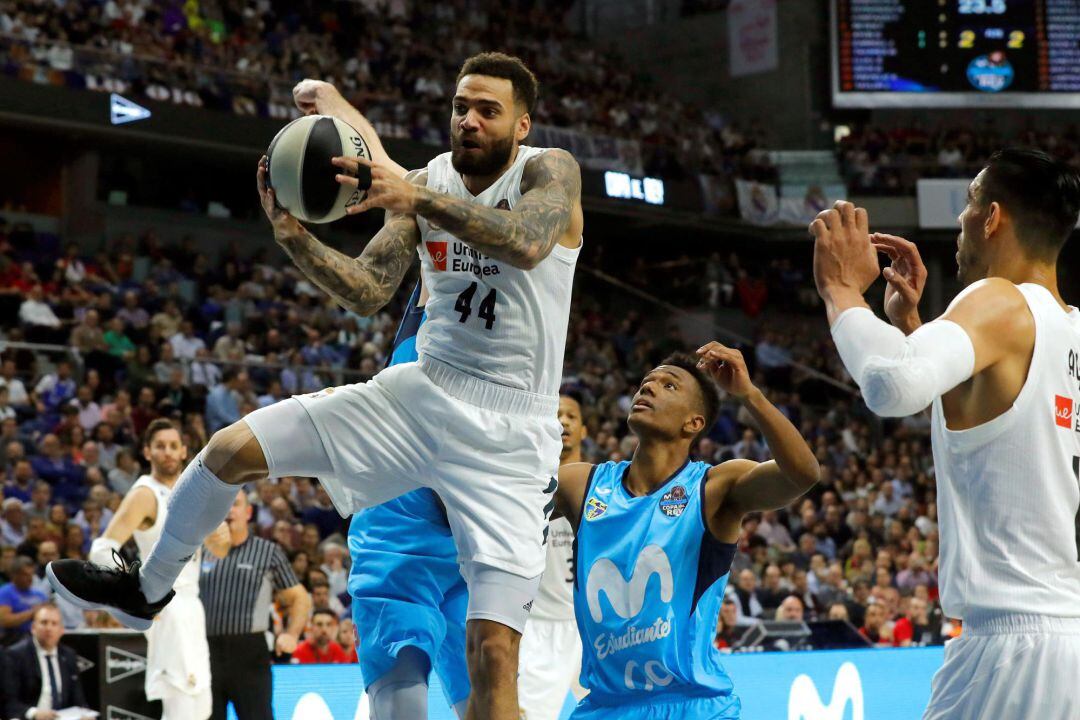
(804, 702)
(627, 597)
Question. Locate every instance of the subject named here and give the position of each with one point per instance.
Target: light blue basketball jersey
(649, 583)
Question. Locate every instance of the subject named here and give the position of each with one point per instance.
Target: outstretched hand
(844, 258)
(727, 368)
(906, 278)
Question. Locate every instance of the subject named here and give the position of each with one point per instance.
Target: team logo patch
(437, 250)
(1063, 411)
(594, 508)
(674, 502)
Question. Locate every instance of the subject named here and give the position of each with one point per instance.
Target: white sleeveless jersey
(1008, 491)
(555, 598)
(188, 581)
(485, 317)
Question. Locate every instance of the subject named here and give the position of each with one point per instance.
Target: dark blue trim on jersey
(577, 528)
(714, 558)
(672, 476)
(410, 323)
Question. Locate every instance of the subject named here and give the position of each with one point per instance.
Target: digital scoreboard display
(956, 53)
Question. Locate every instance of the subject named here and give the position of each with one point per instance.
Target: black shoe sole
(131, 621)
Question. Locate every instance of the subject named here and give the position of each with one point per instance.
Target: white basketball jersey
(188, 581)
(1008, 491)
(486, 317)
(555, 599)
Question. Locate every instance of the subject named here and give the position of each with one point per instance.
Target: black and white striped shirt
(237, 590)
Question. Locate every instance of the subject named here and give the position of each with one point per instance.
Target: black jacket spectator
(22, 678)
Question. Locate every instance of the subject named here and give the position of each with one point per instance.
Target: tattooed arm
(363, 284)
(524, 236)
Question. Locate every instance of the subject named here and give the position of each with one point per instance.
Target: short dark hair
(157, 426)
(574, 394)
(324, 611)
(229, 374)
(1041, 194)
(500, 65)
(710, 393)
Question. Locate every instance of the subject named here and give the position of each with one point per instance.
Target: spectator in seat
(728, 629)
(13, 522)
(913, 628)
(838, 611)
(346, 638)
(747, 602)
(857, 603)
(19, 600)
(876, 628)
(222, 408)
(791, 609)
(39, 322)
(42, 675)
(771, 593)
(320, 646)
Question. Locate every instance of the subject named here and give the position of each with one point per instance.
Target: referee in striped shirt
(236, 592)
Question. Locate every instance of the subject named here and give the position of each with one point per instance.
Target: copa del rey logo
(437, 250)
(804, 702)
(1063, 411)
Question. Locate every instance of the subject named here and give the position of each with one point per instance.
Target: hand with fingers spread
(845, 262)
(388, 190)
(906, 278)
(727, 367)
(285, 225)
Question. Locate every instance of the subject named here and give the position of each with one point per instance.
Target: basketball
(300, 171)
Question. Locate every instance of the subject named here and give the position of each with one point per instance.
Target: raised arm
(522, 237)
(740, 486)
(322, 98)
(363, 284)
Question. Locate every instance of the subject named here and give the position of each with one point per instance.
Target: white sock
(198, 504)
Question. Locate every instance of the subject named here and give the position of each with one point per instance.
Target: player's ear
(146, 453)
(694, 425)
(522, 127)
(993, 218)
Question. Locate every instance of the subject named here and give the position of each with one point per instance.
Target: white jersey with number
(1008, 491)
(484, 316)
(555, 599)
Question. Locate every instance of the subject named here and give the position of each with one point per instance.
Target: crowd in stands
(889, 160)
(395, 59)
(155, 330)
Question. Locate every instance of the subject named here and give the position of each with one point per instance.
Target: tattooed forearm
(366, 283)
(526, 235)
(363, 284)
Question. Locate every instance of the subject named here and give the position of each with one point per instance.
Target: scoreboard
(955, 53)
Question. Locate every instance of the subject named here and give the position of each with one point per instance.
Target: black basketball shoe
(93, 587)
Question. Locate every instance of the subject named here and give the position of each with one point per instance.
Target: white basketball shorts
(490, 452)
(1020, 667)
(549, 663)
(178, 658)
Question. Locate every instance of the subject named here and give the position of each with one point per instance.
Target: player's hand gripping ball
(302, 176)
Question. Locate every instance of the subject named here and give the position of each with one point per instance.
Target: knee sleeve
(401, 694)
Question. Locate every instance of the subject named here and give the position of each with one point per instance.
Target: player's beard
(481, 164)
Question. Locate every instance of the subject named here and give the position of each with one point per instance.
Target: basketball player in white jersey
(550, 658)
(1000, 370)
(498, 228)
(177, 656)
